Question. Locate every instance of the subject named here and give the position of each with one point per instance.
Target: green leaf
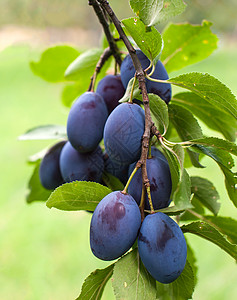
(36, 157)
(159, 112)
(209, 88)
(180, 289)
(187, 128)
(163, 291)
(183, 286)
(36, 191)
(45, 132)
(209, 233)
(186, 44)
(184, 122)
(71, 92)
(112, 182)
(230, 183)
(225, 225)
(217, 143)
(197, 208)
(53, 63)
(220, 156)
(136, 91)
(212, 116)
(225, 162)
(148, 40)
(194, 159)
(192, 261)
(83, 65)
(78, 195)
(205, 192)
(171, 210)
(152, 12)
(182, 194)
(172, 134)
(175, 159)
(131, 280)
(94, 284)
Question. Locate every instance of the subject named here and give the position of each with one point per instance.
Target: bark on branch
(102, 18)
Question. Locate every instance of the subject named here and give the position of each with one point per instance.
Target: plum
(162, 247)
(127, 69)
(123, 133)
(111, 89)
(158, 172)
(163, 90)
(117, 170)
(114, 226)
(81, 166)
(158, 154)
(86, 122)
(49, 171)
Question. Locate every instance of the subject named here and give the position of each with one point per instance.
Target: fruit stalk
(103, 58)
(129, 180)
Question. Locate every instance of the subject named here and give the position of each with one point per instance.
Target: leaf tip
(48, 203)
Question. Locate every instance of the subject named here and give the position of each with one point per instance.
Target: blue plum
(123, 133)
(127, 69)
(111, 89)
(158, 154)
(49, 172)
(114, 226)
(163, 90)
(158, 172)
(162, 247)
(81, 166)
(117, 170)
(86, 122)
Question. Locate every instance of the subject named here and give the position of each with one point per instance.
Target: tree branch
(112, 44)
(142, 85)
(103, 58)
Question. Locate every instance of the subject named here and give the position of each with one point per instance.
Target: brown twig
(141, 79)
(102, 18)
(155, 131)
(103, 58)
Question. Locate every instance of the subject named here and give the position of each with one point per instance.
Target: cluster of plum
(116, 221)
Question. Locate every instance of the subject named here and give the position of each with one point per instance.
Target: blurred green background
(45, 254)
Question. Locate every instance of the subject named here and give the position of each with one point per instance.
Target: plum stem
(203, 219)
(156, 80)
(152, 70)
(183, 144)
(148, 189)
(102, 18)
(115, 68)
(172, 151)
(129, 180)
(149, 150)
(103, 58)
